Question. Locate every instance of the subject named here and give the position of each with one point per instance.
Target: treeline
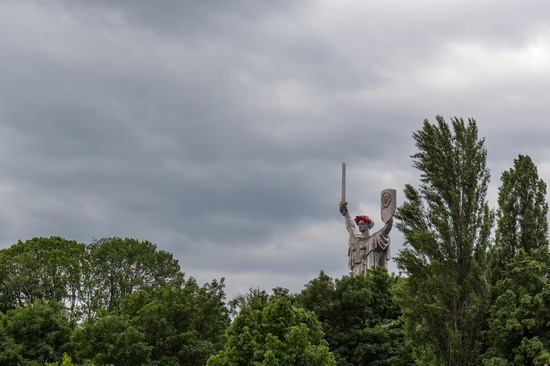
(474, 289)
(114, 301)
(124, 302)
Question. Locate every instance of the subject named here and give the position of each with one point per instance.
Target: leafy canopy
(446, 224)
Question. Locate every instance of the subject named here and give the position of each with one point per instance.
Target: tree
(117, 267)
(41, 268)
(446, 224)
(522, 214)
(179, 323)
(111, 339)
(84, 278)
(184, 323)
(66, 361)
(359, 318)
(34, 334)
(519, 318)
(274, 333)
(520, 271)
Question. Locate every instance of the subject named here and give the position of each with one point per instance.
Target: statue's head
(364, 223)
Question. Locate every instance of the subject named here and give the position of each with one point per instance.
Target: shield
(388, 204)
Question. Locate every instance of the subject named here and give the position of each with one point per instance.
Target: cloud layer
(216, 129)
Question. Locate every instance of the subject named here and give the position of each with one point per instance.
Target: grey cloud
(214, 127)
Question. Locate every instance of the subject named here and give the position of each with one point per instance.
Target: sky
(216, 129)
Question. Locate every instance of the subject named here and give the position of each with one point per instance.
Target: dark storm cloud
(216, 129)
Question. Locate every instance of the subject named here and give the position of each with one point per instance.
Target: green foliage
(255, 298)
(184, 323)
(10, 350)
(520, 317)
(117, 267)
(522, 214)
(41, 268)
(34, 334)
(111, 339)
(274, 332)
(85, 278)
(66, 361)
(446, 224)
(131, 302)
(359, 318)
(178, 323)
(520, 268)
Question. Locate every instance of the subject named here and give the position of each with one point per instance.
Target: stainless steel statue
(366, 251)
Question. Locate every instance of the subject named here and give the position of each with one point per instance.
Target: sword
(343, 182)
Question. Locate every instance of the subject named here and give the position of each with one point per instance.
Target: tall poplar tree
(520, 271)
(446, 224)
(521, 215)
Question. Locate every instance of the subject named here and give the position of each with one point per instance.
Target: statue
(366, 251)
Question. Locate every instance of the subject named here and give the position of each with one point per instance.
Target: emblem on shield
(388, 204)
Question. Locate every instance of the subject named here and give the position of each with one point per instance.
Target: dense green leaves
(274, 333)
(132, 304)
(84, 278)
(117, 267)
(41, 268)
(176, 323)
(34, 334)
(359, 317)
(519, 317)
(446, 224)
(184, 323)
(522, 214)
(519, 323)
(111, 339)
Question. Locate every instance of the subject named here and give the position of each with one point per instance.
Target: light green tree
(274, 333)
(66, 361)
(446, 224)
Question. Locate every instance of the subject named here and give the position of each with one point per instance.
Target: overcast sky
(216, 129)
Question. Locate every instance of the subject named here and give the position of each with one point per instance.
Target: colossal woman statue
(367, 251)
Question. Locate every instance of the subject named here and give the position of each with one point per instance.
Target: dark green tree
(519, 332)
(274, 333)
(117, 267)
(184, 323)
(255, 297)
(34, 334)
(446, 224)
(520, 271)
(359, 318)
(179, 323)
(522, 214)
(10, 350)
(111, 340)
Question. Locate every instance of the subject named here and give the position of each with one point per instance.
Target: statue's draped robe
(367, 251)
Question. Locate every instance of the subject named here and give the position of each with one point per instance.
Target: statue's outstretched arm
(387, 227)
